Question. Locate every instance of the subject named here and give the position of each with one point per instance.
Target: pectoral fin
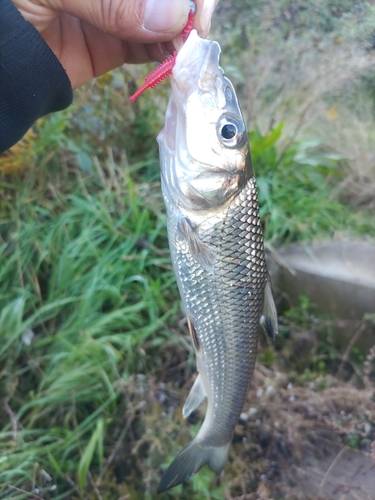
(196, 396)
(269, 318)
(201, 252)
(193, 334)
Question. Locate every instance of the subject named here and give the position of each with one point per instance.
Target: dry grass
(318, 95)
(352, 135)
(313, 82)
(296, 440)
(19, 157)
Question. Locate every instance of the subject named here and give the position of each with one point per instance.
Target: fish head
(204, 149)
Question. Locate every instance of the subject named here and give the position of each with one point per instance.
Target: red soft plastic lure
(164, 69)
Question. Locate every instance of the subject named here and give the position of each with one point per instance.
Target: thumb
(134, 20)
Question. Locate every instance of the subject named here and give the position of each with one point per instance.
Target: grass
(90, 317)
(299, 193)
(85, 287)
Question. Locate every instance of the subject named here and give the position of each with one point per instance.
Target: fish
(216, 244)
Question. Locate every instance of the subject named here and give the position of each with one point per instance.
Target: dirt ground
(302, 435)
(311, 442)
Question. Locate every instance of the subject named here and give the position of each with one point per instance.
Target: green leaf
(274, 135)
(55, 464)
(88, 454)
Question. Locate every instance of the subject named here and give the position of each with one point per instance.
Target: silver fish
(216, 243)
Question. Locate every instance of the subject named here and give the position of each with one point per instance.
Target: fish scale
(225, 305)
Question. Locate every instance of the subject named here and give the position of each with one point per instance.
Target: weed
(303, 314)
(295, 186)
(310, 66)
(82, 290)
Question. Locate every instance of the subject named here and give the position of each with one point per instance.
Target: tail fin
(192, 458)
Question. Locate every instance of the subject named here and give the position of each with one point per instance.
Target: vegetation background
(95, 358)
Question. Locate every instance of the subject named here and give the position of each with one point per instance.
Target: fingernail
(205, 16)
(166, 16)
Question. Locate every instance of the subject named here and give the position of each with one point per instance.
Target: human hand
(91, 37)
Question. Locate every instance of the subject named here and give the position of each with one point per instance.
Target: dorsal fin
(193, 334)
(269, 318)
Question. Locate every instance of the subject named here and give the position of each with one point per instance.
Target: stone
(338, 276)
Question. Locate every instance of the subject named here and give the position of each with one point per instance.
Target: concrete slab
(343, 474)
(338, 276)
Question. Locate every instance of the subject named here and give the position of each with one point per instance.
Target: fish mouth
(197, 65)
(197, 72)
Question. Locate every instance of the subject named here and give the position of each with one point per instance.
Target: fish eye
(230, 130)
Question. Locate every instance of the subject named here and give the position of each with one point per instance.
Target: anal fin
(196, 396)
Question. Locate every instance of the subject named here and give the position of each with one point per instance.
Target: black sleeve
(32, 80)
